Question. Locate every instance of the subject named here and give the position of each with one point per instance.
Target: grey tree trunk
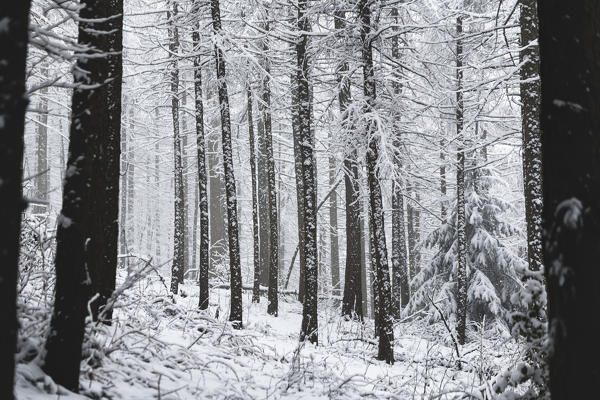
(178, 266)
(384, 320)
(255, 225)
(461, 278)
(235, 312)
(42, 173)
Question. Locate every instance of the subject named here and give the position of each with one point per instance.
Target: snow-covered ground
(158, 349)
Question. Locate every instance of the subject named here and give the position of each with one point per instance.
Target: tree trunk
(379, 251)
(309, 330)
(400, 287)
(235, 314)
(42, 173)
(255, 226)
(272, 307)
(203, 265)
(79, 249)
(570, 87)
(461, 300)
(178, 266)
(13, 102)
(334, 253)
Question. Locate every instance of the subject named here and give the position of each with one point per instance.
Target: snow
(160, 349)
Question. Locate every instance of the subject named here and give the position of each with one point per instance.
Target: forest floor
(165, 350)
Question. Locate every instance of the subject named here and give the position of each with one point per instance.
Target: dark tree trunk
(235, 313)
(310, 323)
(79, 249)
(400, 287)
(272, 307)
(570, 122)
(384, 318)
(299, 190)
(264, 208)
(352, 299)
(178, 266)
(443, 183)
(255, 226)
(203, 264)
(461, 278)
(13, 102)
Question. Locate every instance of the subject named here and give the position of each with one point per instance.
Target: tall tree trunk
(272, 307)
(42, 173)
(79, 248)
(178, 266)
(204, 255)
(263, 197)
(255, 226)
(461, 300)
(310, 323)
(157, 224)
(13, 102)
(299, 190)
(334, 249)
(570, 122)
(185, 180)
(235, 313)
(124, 184)
(130, 223)
(400, 288)
(443, 183)
(379, 249)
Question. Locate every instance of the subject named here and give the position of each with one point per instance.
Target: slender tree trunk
(77, 245)
(264, 208)
(235, 314)
(13, 102)
(309, 330)
(443, 184)
(130, 223)
(379, 251)
(42, 174)
(570, 122)
(178, 266)
(272, 307)
(461, 278)
(334, 253)
(185, 181)
(124, 185)
(400, 287)
(204, 255)
(157, 220)
(255, 226)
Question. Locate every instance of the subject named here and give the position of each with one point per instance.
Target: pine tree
(13, 102)
(78, 246)
(570, 109)
(178, 266)
(235, 313)
(203, 264)
(309, 329)
(384, 321)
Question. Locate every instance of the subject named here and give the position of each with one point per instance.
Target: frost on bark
(178, 266)
(13, 102)
(235, 313)
(42, 172)
(461, 298)
(352, 298)
(203, 264)
(400, 287)
(570, 122)
(255, 226)
(272, 307)
(384, 320)
(309, 329)
(78, 247)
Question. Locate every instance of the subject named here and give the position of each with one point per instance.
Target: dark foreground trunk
(13, 55)
(235, 313)
(79, 249)
(570, 118)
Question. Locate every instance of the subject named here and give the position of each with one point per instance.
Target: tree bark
(309, 329)
(178, 266)
(255, 226)
(235, 313)
(461, 278)
(13, 102)
(203, 264)
(570, 87)
(378, 251)
(77, 245)
(42, 174)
